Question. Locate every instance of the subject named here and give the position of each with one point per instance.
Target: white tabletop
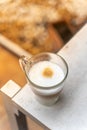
(70, 113)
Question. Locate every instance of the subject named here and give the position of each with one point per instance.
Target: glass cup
(46, 74)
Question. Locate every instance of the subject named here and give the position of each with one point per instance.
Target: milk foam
(36, 76)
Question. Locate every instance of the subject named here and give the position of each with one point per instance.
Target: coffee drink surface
(46, 74)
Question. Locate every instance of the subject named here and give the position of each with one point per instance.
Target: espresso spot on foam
(48, 72)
